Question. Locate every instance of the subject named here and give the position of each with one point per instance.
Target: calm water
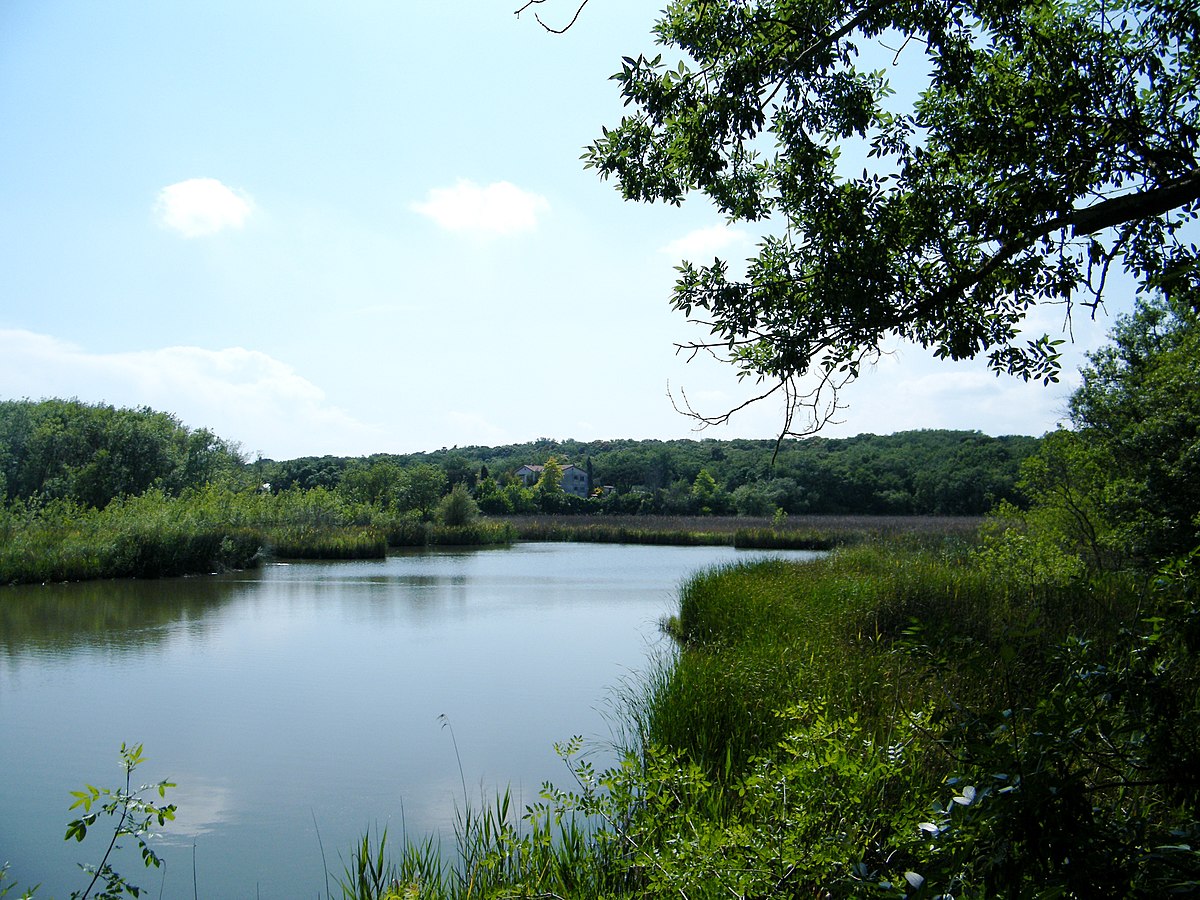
(300, 704)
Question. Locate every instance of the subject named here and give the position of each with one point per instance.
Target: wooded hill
(93, 453)
(930, 472)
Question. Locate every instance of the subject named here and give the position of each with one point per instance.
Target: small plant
(5, 889)
(134, 815)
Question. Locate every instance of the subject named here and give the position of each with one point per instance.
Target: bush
(457, 508)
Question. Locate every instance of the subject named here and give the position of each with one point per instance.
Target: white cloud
(922, 392)
(471, 428)
(499, 208)
(706, 243)
(242, 395)
(201, 206)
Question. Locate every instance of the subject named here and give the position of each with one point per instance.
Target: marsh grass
(329, 542)
(208, 530)
(476, 534)
(793, 533)
(62, 541)
(797, 740)
(480, 533)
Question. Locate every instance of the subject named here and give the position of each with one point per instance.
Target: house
(529, 475)
(574, 479)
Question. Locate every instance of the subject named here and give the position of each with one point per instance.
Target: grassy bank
(787, 533)
(213, 530)
(882, 722)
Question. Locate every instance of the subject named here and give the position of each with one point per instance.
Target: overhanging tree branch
(1109, 213)
(562, 30)
(1141, 205)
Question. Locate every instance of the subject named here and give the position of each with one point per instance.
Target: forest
(95, 454)
(911, 473)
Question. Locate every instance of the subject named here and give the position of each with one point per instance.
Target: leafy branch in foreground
(135, 815)
(1042, 147)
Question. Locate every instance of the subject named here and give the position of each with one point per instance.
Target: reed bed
(63, 541)
(209, 530)
(790, 533)
(326, 543)
(413, 533)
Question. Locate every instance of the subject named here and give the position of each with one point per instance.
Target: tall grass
(794, 533)
(801, 736)
(208, 530)
(142, 538)
(326, 543)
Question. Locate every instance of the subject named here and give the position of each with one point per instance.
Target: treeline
(932, 472)
(91, 454)
(92, 491)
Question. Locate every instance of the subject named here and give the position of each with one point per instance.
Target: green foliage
(708, 497)
(378, 483)
(1046, 144)
(423, 487)
(134, 816)
(64, 449)
(1121, 489)
(458, 508)
(6, 889)
(151, 536)
(327, 543)
(1086, 786)
(1028, 548)
(474, 534)
(368, 875)
(1139, 411)
(549, 482)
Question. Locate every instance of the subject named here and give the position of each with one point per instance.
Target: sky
(364, 227)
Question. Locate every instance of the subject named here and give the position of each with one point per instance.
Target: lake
(299, 704)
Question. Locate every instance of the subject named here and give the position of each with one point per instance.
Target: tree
(458, 507)
(95, 453)
(423, 487)
(707, 496)
(1123, 487)
(1139, 410)
(550, 482)
(378, 482)
(1052, 141)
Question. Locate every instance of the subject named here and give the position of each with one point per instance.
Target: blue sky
(364, 227)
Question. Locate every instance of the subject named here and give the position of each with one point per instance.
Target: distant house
(574, 479)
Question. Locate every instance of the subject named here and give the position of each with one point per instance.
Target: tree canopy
(1051, 143)
(1138, 416)
(94, 453)
(1122, 489)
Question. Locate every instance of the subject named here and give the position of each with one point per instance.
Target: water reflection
(204, 805)
(313, 691)
(118, 616)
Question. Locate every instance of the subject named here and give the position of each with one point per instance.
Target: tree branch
(1144, 204)
(562, 30)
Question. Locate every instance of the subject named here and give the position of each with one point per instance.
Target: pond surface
(298, 705)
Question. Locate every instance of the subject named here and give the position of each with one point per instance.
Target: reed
(65, 542)
(476, 534)
(300, 542)
(793, 533)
